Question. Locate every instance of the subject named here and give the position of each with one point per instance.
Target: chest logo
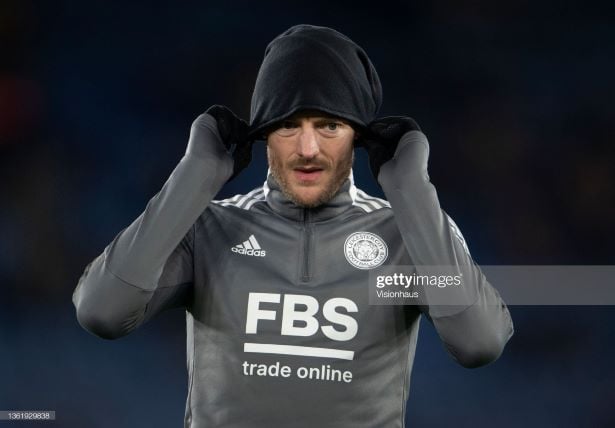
(365, 250)
(249, 247)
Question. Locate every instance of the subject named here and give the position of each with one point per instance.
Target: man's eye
(286, 128)
(332, 126)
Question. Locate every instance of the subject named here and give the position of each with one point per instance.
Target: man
(280, 329)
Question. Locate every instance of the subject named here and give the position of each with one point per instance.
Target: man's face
(310, 155)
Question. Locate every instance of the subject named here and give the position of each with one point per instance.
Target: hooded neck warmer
(311, 67)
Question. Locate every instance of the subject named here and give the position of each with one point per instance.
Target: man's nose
(307, 144)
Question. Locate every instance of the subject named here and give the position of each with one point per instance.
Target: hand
(230, 132)
(382, 137)
(234, 133)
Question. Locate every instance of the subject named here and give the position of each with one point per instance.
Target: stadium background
(96, 101)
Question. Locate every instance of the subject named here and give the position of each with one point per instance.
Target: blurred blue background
(96, 102)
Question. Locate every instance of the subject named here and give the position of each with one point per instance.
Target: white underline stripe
(366, 208)
(252, 202)
(247, 196)
(243, 204)
(367, 196)
(381, 202)
(369, 202)
(306, 351)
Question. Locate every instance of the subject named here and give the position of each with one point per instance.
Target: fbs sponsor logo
(301, 315)
(250, 247)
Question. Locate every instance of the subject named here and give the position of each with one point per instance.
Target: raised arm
(471, 319)
(148, 267)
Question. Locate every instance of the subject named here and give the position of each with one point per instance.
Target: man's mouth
(307, 173)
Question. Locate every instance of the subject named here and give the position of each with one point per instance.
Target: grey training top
(280, 332)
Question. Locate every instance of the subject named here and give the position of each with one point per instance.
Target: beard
(281, 172)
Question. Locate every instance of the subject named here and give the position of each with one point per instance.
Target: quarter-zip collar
(341, 202)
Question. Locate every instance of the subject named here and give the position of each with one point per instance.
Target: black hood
(311, 67)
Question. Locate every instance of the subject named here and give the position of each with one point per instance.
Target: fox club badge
(365, 250)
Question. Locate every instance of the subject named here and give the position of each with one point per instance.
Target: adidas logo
(249, 248)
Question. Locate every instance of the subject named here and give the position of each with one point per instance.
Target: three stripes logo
(250, 247)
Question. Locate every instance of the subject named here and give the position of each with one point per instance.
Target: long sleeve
(474, 324)
(148, 267)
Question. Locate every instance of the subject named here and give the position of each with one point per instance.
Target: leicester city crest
(365, 250)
